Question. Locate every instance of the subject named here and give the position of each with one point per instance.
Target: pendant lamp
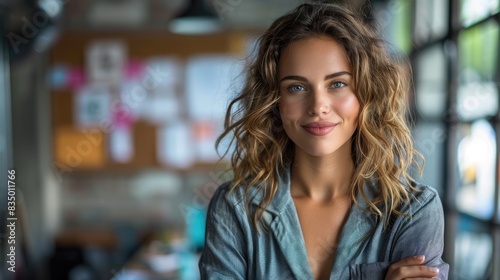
(197, 18)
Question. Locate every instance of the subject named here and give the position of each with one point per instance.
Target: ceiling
(144, 14)
(44, 19)
(233, 14)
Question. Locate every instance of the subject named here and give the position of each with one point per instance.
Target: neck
(322, 179)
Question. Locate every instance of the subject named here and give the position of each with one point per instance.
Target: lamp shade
(197, 18)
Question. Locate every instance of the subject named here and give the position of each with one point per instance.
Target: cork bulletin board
(88, 149)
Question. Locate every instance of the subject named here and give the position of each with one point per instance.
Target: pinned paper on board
(205, 135)
(134, 96)
(121, 144)
(121, 140)
(151, 89)
(106, 61)
(161, 109)
(175, 147)
(134, 70)
(92, 105)
(210, 83)
(75, 148)
(151, 106)
(163, 73)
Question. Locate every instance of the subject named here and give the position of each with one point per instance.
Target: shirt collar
(283, 195)
(281, 217)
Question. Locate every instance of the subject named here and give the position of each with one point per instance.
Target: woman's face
(318, 105)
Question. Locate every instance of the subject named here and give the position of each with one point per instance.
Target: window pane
(431, 82)
(473, 250)
(476, 165)
(475, 10)
(477, 100)
(477, 92)
(394, 17)
(431, 17)
(401, 26)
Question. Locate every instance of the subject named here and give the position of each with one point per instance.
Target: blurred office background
(109, 110)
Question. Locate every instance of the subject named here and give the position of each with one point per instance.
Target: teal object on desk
(195, 228)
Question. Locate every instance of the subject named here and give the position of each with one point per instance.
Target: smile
(319, 128)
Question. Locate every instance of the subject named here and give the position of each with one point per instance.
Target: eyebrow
(327, 77)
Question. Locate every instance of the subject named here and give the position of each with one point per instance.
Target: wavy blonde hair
(382, 144)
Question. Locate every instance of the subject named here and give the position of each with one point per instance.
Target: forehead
(318, 54)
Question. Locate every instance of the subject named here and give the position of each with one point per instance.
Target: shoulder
(243, 194)
(222, 197)
(225, 198)
(422, 198)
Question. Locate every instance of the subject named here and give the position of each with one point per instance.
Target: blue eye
(295, 88)
(338, 85)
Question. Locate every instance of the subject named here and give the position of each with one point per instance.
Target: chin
(319, 151)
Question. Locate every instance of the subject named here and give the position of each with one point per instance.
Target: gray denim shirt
(233, 250)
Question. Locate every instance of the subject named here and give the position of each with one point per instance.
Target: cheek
(290, 109)
(350, 107)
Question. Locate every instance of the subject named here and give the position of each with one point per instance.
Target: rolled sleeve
(367, 271)
(423, 232)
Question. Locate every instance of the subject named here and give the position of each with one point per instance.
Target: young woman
(321, 188)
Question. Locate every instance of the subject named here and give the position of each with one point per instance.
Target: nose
(319, 103)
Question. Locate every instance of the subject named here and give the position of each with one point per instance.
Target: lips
(319, 128)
